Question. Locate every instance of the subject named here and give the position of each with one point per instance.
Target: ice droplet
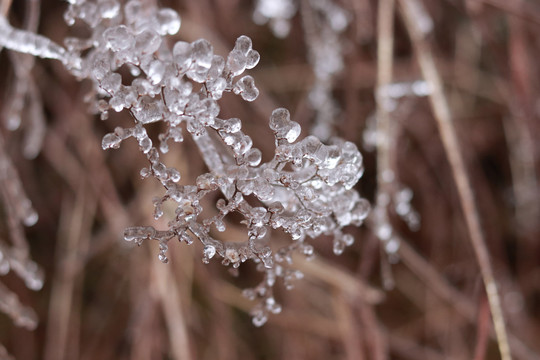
(236, 62)
(169, 21)
(31, 218)
(259, 319)
(246, 88)
(118, 38)
(209, 252)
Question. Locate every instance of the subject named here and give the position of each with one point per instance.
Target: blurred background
(104, 298)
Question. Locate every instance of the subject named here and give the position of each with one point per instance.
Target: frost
(303, 187)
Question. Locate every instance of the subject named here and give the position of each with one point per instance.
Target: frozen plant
(305, 190)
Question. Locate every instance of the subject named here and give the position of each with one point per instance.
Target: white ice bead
(100, 68)
(293, 132)
(243, 44)
(111, 83)
(183, 55)
(109, 8)
(169, 21)
(252, 59)
(384, 231)
(176, 134)
(246, 88)
(147, 41)
(203, 53)
(259, 319)
(338, 246)
(280, 117)
(145, 144)
(392, 246)
(110, 141)
(208, 252)
(232, 125)
(216, 69)
(31, 217)
(284, 128)
(361, 210)
(216, 87)
(133, 11)
(253, 157)
(348, 239)
(175, 102)
(156, 71)
(118, 38)
(236, 62)
(149, 110)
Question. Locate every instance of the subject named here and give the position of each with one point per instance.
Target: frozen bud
(384, 231)
(252, 59)
(283, 127)
(276, 208)
(175, 102)
(111, 83)
(109, 9)
(169, 21)
(232, 255)
(360, 211)
(163, 247)
(176, 134)
(259, 318)
(148, 110)
(279, 119)
(183, 56)
(216, 87)
(243, 44)
(392, 246)
(348, 239)
(147, 42)
(203, 53)
(111, 141)
(145, 144)
(100, 68)
(338, 245)
(133, 11)
(216, 69)
(236, 62)
(208, 253)
(118, 38)
(232, 125)
(206, 182)
(253, 157)
(156, 71)
(30, 218)
(246, 88)
(272, 306)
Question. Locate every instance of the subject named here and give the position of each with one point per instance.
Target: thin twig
(385, 55)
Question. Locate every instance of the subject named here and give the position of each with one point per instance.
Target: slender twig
(385, 41)
(447, 131)
(172, 310)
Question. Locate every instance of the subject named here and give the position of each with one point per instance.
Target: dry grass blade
(447, 131)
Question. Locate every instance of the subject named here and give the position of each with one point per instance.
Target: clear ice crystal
(118, 38)
(169, 21)
(246, 88)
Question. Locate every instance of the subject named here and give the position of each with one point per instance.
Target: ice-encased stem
(30, 43)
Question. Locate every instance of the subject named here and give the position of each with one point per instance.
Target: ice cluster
(305, 190)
